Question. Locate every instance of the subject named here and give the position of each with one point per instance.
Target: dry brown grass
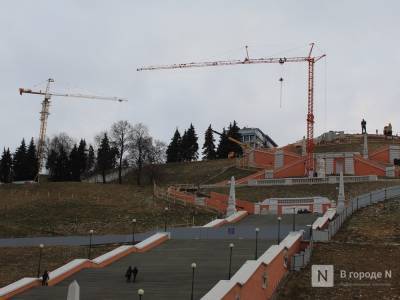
(260, 193)
(368, 242)
(198, 172)
(75, 208)
(18, 262)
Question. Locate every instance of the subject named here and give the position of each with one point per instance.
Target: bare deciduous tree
(119, 134)
(143, 150)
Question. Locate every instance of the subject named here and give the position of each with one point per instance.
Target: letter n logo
(322, 275)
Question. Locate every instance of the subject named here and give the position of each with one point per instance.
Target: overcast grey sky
(95, 47)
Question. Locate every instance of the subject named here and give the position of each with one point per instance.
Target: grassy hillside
(198, 172)
(75, 208)
(260, 193)
(368, 242)
(18, 262)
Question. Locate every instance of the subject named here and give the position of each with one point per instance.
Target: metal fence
(353, 205)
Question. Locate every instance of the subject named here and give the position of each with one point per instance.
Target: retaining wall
(258, 279)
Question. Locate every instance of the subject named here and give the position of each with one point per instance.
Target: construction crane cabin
(309, 59)
(44, 114)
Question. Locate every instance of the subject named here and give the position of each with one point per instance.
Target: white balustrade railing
(353, 205)
(313, 180)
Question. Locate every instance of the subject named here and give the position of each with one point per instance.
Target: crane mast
(44, 114)
(311, 60)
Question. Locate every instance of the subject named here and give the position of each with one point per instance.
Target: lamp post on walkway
(90, 242)
(40, 259)
(140, 293)
(165, 218)
(231, 245)
(294, 218)
(279, 230)
(133, 230)
(193, 268)
(256, 253)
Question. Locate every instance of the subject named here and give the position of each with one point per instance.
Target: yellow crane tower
(44, 114)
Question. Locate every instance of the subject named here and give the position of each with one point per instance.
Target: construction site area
(282, 203)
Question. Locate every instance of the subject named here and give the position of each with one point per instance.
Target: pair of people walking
(131, 272)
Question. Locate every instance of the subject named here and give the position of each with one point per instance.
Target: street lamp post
(133, 230)
(256, 253)
(294, 218)
(165, 218)
(192, 293)
(279, 230)
(40, 259)
(140, 293)
(231, 245)
(90, 242)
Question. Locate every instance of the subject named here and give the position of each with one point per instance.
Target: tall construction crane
(44, 114)
(311, 60)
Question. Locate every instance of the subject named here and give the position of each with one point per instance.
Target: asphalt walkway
(164, 272)
(267, 224)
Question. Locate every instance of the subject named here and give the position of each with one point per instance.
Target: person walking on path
(128, 274)
(45, 278)
(135, 272)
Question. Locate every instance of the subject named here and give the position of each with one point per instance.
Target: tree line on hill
(123, 145)
(185, 148)
(19, 166)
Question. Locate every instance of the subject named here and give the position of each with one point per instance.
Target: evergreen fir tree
(75, 164)
(82, 156)
(6, 167)
(184, 147)
(19, 163)
(174, 148)
(223, 146)
(192, 145)
(209, 146)
(62, 171)
(31, 161)
(105, 157)
(58, 164)
(233, 132)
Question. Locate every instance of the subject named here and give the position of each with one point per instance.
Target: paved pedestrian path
(267, 224)
(164, 272)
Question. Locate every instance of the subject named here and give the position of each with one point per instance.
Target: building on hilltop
(256, 138)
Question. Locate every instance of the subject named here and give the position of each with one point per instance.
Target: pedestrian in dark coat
(135, 272)
(45, 278)
(128, 274)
